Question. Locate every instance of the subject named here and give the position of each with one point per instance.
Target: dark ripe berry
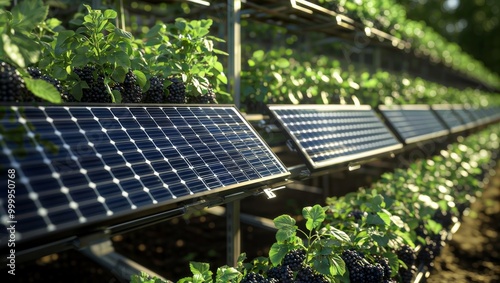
(12, 86)
(155, 93)
(208, 98)
(96, 92)
(283, 273)
(86, 74)
(253, 277)
(35, 73)
(307, 275)
(374, 273)
(384, 262)
(131, 94)
(295, 259)
(176, 91)
(407, 274)
(407, 255)
(356, 214)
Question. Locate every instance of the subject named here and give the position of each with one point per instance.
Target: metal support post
(233, 232)
(234, 49)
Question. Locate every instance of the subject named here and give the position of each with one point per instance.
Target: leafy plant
(20, 48)
(184, 49)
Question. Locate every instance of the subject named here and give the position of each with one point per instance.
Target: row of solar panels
(76, 173)
(336, 135)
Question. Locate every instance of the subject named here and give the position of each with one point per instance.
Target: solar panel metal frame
(438, 108)
(337, 162)
(125, 220)
(411, 107)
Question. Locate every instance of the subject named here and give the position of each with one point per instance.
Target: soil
(473, 254)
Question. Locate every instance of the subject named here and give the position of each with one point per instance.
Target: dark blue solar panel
(449, 117)
(465, 116)
(414, 123)
(78, 165)
(328, 135)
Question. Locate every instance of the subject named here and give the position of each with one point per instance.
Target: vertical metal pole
(120, 20)
(234, 48)
(233, 232)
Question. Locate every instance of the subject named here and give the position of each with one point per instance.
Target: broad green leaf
(314, 215)
(340, 235)
(283, 63)
(277, 253)
(337, 266)
(12, 50)
(199, 267)
(285, 222)
(117, 96)
(381, 240)
(385, 217)
(397, 221)
(123, 33)
(259, 54)
(322, 264)
(375, 219)
(28, 14)
(122, 59)
(119, 74)
(141, 78)
(222, 78)
(227, 274)
(80, 60)
(433, 226)
(43, 90)
(110, 14)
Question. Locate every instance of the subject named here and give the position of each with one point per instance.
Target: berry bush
(383, 233)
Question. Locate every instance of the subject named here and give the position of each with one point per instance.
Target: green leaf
(278, 252)
(314, 215)
(322, 264)
(201, 271)
(123, 33)
(12, 50)
(227, 274)
(286, 227)
(222, 78)
(80, 60)
(43, 90)
(141, 78)
(375, 219)
(119, 74)
(28, 14)
(433, 226)
(110, 14)
(385, 216)
(340, 235)
(337, 266)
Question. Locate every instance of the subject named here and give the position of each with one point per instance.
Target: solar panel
(481, 115)
(465, 116)
(92, 166)
(413, 123)
(334, 135)
(449, 117)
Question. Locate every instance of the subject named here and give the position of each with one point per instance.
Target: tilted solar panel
(481, 115)
(449, 117)
(464, 114)
(413, 123)
(332, 135)
(88, 166)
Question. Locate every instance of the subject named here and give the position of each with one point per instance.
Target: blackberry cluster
(97, 90)
(307, 275)
(155, 93)
(361, 271)
(253, 277)
(407, 274)
(208, 98)
(295, 259)
(356, 213)
(282, 273)
(176, 91)
(429, 252)
(384, 262)
(12, 86)
(130, 91)
(445, 218)
(37, 74)
(407, 255)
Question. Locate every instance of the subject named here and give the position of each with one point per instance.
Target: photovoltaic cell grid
(328, 135)
(112, 160)
(450, 118)
(467, 119)
(414, 123)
